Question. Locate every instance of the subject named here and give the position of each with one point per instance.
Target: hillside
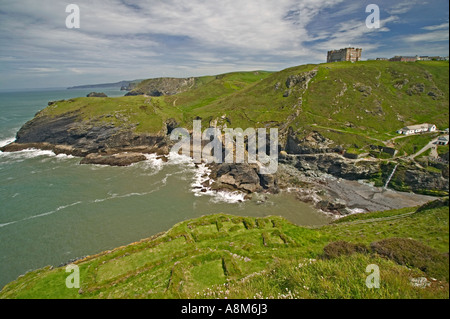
(235, 257)
(349, 112)
(354, 105)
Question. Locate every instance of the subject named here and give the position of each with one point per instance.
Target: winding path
(423, 150)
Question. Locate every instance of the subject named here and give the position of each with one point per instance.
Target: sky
(131, 39)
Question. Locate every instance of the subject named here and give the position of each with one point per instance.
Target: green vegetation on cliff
(355, 105)
(222, 256)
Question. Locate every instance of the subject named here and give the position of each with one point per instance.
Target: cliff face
(71, 135)
(91, 136)
(162, 86)
(408, 176)
(243, 177)
(320, 112)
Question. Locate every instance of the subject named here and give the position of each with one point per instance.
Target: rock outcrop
(313, 143)
(243, 177)
(333, 164)
(419, 180)
(299, 82)
(121, 159)
(98, 141)
(408, 177)
(95, 94)
(163, 86)
(89, 135)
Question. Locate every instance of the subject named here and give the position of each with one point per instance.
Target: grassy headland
(355, 105)
(235, 257)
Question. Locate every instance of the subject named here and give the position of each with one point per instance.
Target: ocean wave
(177, 159)
(228, 197)
(155, 187)
(27, 154)
(6, 141)
(41, 215)
(64, 156)
(201, 183)
(202, 175)
(54, 211)
(33, 153)
(153, 162)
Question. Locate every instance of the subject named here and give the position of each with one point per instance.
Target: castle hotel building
(347, 54)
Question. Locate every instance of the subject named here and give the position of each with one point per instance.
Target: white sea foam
(177, 159)
(64, 156)
(228, 197)
(6, 224)
(202, 175)
(7, 141)
(27, 154)
(53, 211)
(30, 153)
(200, 187)
(153, 162)
(356, 211)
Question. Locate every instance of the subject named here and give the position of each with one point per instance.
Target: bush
(343, 248)
(434, 204)
(411, 253)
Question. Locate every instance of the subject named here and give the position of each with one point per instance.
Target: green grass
(222, 256)
(382, 112)
(413, 144)
(355, 105)
(442, 150)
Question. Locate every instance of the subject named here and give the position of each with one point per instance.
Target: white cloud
(260, 26)
(437, 27)
(138, 39)
(353, 33)
(404, 6)
(435, 36)
(39, 70)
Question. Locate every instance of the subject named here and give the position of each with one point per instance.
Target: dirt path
(423, 150)
(372, 220)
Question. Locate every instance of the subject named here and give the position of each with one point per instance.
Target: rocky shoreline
(341, 197)
(314, 170)
(331, 194)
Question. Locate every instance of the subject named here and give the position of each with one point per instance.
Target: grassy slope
(382, 109)
(353, 104)
(373, 118)
(223, 256)
(149, 114)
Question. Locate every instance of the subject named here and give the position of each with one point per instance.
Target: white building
(443, 140)
(417, 129)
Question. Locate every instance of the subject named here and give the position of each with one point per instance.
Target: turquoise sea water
(52, 209)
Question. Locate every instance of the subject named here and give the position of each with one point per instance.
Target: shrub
(343, 248)
(434, 204)
(411, 253)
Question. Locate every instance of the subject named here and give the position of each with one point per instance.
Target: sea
(53, 210)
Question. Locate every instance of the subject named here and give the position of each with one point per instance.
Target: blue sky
(131, 39)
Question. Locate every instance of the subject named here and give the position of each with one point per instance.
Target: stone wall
(348, 54)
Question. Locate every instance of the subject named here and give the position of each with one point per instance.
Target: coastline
(342, 197)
